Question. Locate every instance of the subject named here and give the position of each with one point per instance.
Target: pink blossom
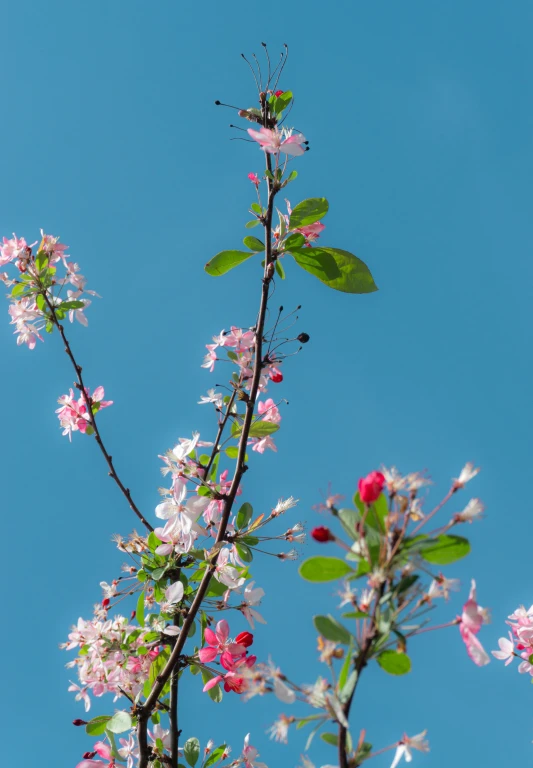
(506, 652)
(12, 249)
(407, 744)
(73, 415)
(261, 444)
(250, 755)
(218, 642)
(269, 411)
(312, 231)
(254, 178)
(51, 245)
(371, 486)
(470, 622)
(274, 141)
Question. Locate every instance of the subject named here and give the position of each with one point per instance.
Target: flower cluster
(36, 296)
(74, 415)
(519, 642)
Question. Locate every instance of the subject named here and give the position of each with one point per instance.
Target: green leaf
(282, 102)
(224, 261)
(191, 751)
(324, 569)
(317, 262)
(378, 511)
(215, 756)
(139, 612)
(18, 289)
(41, 303)
(349, 519)
(330, 738)
(120, 722)
(97, 725)
(253, 243)
(232, 452)
(153, 541)
(157, 665)
(296, 240)
(445, 549)
(355, 277)
(244, 515)
(355, 615)
(308, 211)
(345, 669)
(292, 175)
(250, 224)
(394, 663)
(256, 208)
(279, 269)
(331, 629)
(348, 687)
(258, 429)
(245, 553)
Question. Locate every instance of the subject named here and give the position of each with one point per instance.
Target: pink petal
(103, 749)
(222, 631)
(210, 637)
(211, 683)
(207, 654)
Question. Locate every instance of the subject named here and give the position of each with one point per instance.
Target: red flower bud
(278, 93)
(78, 721)
(322, 534)
(371, 486)
(89, 755)
(245, 638)
(275, 375)
(105, 602)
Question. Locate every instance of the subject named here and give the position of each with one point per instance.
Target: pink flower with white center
(81, 695)
(269, 411)
(226, 574)
(260, 445)
(274, 141)
(407, 744)
(441, 587)
(211, 358)
(12, 249)
(470, 622)
(73, 415)
(239, 339)
(177, 536)
(312, 231)
(24, 313)
(252, 597)
(51, 245)
(129, 750)
(77, 314)
(254, 178)
(250, 754)
(506, 652)
(219, 643)
(217, 398)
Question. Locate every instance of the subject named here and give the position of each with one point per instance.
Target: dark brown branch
(81, 386)
(161, 680)
(173, 712)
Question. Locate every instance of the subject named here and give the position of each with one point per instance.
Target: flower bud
(278, 93)
(105, 602)
(322, 534)
(275, 375)
(89, 755)
(303, 338)
(371, 486)
(78, 721)
(244, 638)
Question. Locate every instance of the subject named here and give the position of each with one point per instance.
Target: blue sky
(420, 124)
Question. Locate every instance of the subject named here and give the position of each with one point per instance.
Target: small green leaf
(153, 541)
(296, 240)
(253, 243)
(308, 211)
(215, 756)
(318, 569)
(348, 687)
(445, 549)
(41, 303)
(258, 429)
(245, 553)
(251, 224)
(332, 630)
(97, 725)
(355, 615)
(350, 274)
(191, 751)
(256, 208)
(345, 669)
(244, 515)
(139, 612)
(330, 738)
(292, 175)
(224, 261)
(279, 269)
(394, 663)
(18, 289)
(232, 452)
(120, 722)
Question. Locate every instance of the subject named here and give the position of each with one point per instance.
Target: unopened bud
(270, 271)
(322, 534)
(105, 602)
(89, 755)
(79, 721)
(242, 112)
(303, 338)
(245, 638)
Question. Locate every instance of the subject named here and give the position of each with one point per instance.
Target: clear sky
(420, 120)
